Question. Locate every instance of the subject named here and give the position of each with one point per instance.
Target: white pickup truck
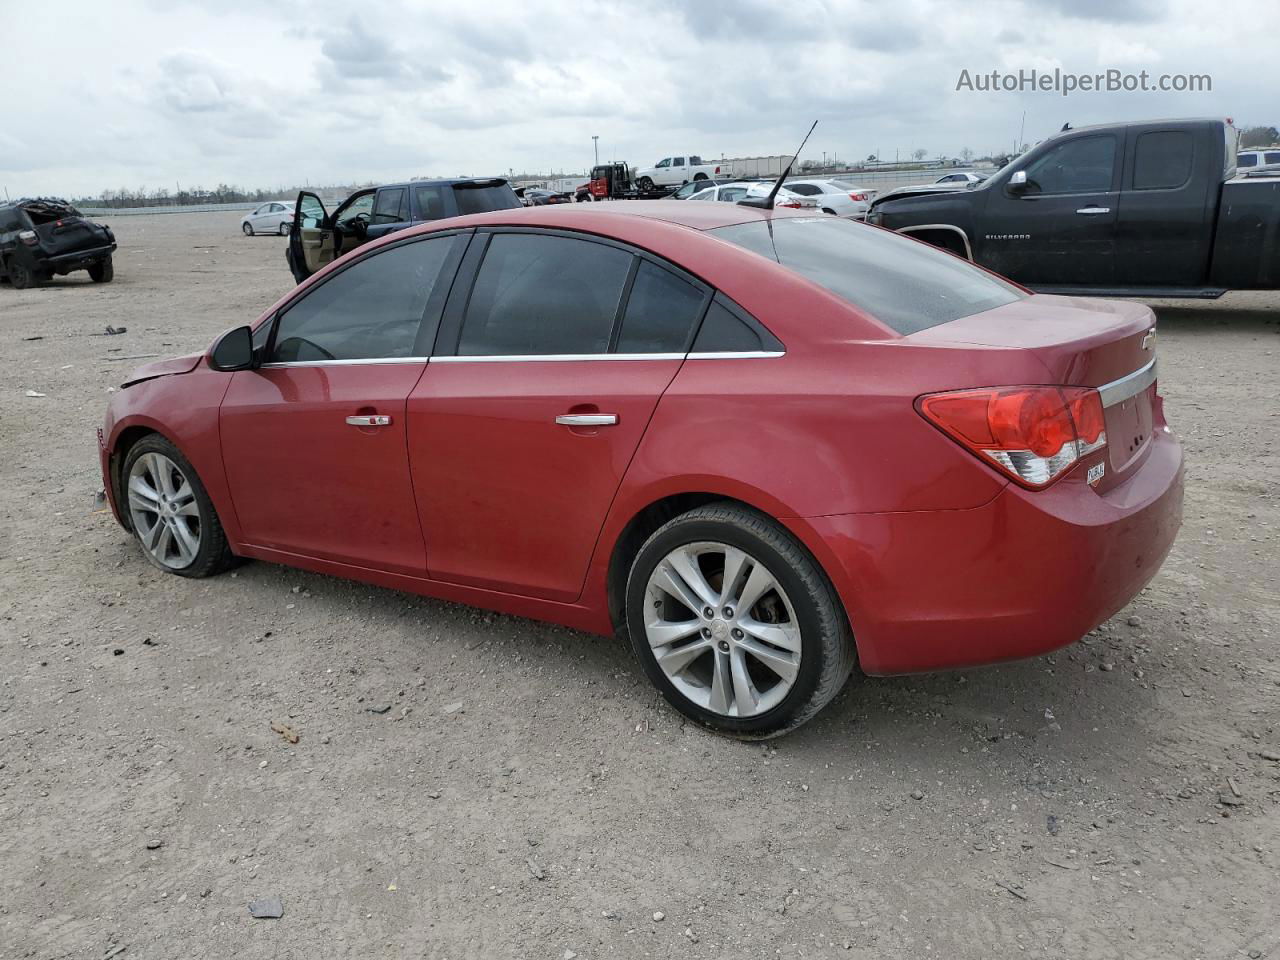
(674, 171)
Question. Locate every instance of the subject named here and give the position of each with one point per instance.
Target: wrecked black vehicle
(46, 237)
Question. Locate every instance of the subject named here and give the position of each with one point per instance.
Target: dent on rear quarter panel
(184, 409)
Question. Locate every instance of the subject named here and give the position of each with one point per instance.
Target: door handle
(1093, 211)
(587, 419)
(379, 420)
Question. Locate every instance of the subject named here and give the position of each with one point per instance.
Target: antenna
(766, 203)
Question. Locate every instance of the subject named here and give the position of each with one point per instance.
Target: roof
(591, 216)
(442, 181)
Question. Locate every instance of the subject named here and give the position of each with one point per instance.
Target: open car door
(305, 235)
(319, 237)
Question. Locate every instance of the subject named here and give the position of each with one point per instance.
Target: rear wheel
(103, 271)
(735, 623)
(644, 183)
(699, 176)
(247, 228)
(170, 512)
(20, 276)
(284, 229)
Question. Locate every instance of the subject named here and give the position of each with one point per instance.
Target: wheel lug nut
(706, 632)
(728, 613)
(737, 634)
(708, 612)
(724, 645)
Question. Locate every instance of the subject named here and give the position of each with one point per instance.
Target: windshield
(486, 196)
(907, 285)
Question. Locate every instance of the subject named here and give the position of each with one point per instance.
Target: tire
(149, 460)
(645, 184)
(21, 276)
(798, 610)
(284, 228)
(829, 211)
(103, 271)
(699, 176)
(247, 228)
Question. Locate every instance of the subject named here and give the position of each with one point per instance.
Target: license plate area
(1128, 429)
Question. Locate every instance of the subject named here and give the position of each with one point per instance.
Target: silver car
(270, 217)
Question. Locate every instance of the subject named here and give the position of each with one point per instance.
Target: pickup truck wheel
(699, 176)
(247, 228)
(20, 277)
(644, 183)
(103, 271)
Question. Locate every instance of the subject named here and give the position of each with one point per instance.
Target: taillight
(859, 197)
(717, 171)
(28, 237)
(1033, 434)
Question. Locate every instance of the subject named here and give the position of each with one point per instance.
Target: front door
(519, 441)
(314, 440)
(306, 235)
(1060, 229)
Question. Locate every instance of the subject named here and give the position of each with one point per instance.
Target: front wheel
(170, 512)
(103, 271)
(735, 623)
(247, 228)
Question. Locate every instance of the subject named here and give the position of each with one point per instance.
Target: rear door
(1171, 184)
(1062, 228)
(548, 367)
(390, 212)
(313, 441)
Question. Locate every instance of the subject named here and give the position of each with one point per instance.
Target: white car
(674, 171)
(740, 189)
(962, 179)
(270, 217)
(1252, 159)
(835, 196)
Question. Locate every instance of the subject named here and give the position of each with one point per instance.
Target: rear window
(904, 284)
(483, 197)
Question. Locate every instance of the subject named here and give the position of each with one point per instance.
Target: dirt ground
(1119, 799)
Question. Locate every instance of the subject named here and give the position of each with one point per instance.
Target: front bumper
(1025, 574)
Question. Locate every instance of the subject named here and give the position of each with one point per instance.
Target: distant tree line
(197, 196)
(1259, 137)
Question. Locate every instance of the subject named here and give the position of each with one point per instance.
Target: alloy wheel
(163, 508)
(722, 629)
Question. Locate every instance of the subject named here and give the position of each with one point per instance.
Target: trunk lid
(1082, 342)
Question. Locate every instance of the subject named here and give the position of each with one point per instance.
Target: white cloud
(202, 91)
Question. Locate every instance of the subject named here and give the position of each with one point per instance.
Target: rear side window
(661, 312)
(906, 285)
(543, 295)
(1162, 160)
(1272, 157)
(723, 331)
(485, 196)
(430, 202)
(387, 207)
(372, 310)
(1247, 160)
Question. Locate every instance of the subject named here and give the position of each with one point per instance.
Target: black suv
(318, 237)
(45, 237)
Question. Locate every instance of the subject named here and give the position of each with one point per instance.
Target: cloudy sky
(151, 93)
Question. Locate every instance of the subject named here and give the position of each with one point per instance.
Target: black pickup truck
(46, 237)
(318, 237)
(1150, 209)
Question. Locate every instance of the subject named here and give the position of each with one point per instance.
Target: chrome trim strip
(968, 248)
(343, 363)
(739, 355)
(1117, 391)
(559, 357)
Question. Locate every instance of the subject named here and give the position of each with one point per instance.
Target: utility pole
(595, 143)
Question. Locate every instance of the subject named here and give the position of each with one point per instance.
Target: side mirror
(1018, 182)
(233, 350)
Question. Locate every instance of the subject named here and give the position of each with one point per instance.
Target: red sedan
(763, 445)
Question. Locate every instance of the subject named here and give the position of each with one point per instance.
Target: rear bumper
(78, 259)
(1025, 574)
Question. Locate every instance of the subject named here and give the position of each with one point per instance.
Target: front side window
(661, 312)
(310, 210)
(663, 163)
(371, 310)
(1247, 160)
(1271, 157)
(804, 189)
(1162, 160)
(1083, 165)
(387, 207)
(906, 285)
(543, 295)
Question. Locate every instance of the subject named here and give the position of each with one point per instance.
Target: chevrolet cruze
(767, 447)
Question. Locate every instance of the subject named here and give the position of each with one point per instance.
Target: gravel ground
(525, 794)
